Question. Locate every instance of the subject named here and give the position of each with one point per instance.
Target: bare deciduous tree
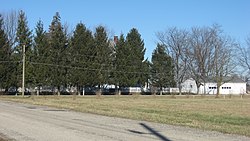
(211, 56)
(10, 25)
(244, 58)
(68, 30)
(203, 54)
(176, 43)
(223, 60)
(200, 54)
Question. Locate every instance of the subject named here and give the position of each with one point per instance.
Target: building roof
(227, 79)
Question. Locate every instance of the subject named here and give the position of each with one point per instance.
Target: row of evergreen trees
(83, 59)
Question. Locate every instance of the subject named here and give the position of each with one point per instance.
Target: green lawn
(229, 115)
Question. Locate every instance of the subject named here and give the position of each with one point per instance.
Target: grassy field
(227, 115)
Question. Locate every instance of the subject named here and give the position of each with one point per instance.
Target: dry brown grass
(229, 115)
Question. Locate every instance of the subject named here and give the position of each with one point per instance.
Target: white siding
(208, 88)
(189, 86)
(131, 89)
(226, 88)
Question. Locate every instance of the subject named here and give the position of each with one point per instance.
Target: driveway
(25, 122)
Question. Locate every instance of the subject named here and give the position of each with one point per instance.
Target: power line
(41, 57)
(1, 61)
(84, 68)
(93, 69)
(88, 69)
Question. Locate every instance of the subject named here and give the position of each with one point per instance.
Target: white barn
(231, 85)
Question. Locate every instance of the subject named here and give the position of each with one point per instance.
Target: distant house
(189, 86)
(230, 85)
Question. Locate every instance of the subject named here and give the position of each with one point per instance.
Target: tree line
(84, 59)
(91, 58)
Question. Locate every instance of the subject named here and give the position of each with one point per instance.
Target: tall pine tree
(134, 62)
(162, 68)
(102, 56)
(5, 62)
(23, 39)
(58, 53)
(41, 52)
(121, 54)
(81, 53)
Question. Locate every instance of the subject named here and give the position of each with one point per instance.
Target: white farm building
(230, 85)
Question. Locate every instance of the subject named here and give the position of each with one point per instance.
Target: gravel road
(25, 122)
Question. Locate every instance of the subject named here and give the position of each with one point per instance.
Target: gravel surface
(25, 122)
(4, 138)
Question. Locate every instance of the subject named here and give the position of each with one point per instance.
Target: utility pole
(23, 86)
